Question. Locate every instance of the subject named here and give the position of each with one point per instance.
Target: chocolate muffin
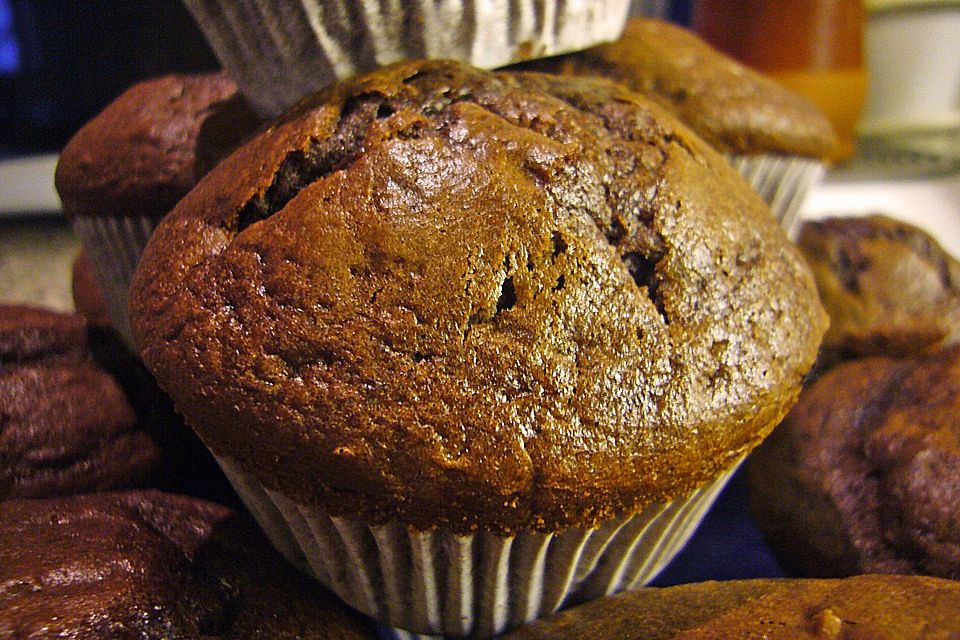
(65, 424)
(864, 474)
(777, 138)
(498, 305)
(144, 565)
(874, 607)
(126, 168)
(889, 287)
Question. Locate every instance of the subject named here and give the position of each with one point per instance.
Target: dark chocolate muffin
(149, 565)
(148, 147)
(126, 168)
(88, 300)
(863, 607)
(65, 424)
(466, 302)
(889, 287)
(864, 474)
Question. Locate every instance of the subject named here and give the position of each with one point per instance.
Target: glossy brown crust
(148, 565)
(864, 474)
(65, 425)
(889, 287)
(38, 336)
(729, 105)
(860, 608)
(146, 149)
(464, 299)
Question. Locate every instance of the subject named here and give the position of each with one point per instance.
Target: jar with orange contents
(814, 47)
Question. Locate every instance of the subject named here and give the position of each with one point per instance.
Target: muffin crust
(464, 299)
(862, 476)
(889, 287)
(729, 105)
(146, 149)
(874, 607)
(148, 565)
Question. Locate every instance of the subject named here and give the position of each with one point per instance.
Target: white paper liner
(114, 246)
(280, 50)
(782, 181)
(476, 585)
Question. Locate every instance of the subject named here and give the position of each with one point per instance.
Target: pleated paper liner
(281, 50)
(114, 245)
(782, 181)
(471, 585)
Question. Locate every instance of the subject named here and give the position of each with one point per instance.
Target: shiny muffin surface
(454, 297)
(144, 565)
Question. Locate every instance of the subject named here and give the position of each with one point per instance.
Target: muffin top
(38, 336)
(874, 607)
(452, 297)
(147, 148)
(65, 424)
(732, 107)
(864, 474)
(149, 565)
(889, 287)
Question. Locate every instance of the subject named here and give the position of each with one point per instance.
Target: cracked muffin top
(728, 104)
(453, 297)
(889, 287)
(144, 565)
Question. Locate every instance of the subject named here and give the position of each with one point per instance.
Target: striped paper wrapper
(476, 585)
(114, 245)
(782, 181)
(280, 50)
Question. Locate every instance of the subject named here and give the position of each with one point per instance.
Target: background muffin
(777, 139)
(152, 565)
(126, 168)
(876, 607)
(66, 424)
(862, 476)
(444, 315)
(889, 287)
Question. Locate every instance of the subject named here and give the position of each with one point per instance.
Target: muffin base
(479, 585)
(281, 51)
(114, 246)
(782, 181)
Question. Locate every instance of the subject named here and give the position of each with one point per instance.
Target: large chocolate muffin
(458, 298)
(889, 287)
(149, 565)
(863, 607)
(441, 299)
(864, 474)
(65, 424)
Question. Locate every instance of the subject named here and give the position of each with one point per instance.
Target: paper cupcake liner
(477, 585)
(279, 51)
(782, 181)
(114, 245)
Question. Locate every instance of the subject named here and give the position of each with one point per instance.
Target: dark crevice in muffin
(643, 268)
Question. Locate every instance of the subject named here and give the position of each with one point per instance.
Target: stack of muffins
(471, 346)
